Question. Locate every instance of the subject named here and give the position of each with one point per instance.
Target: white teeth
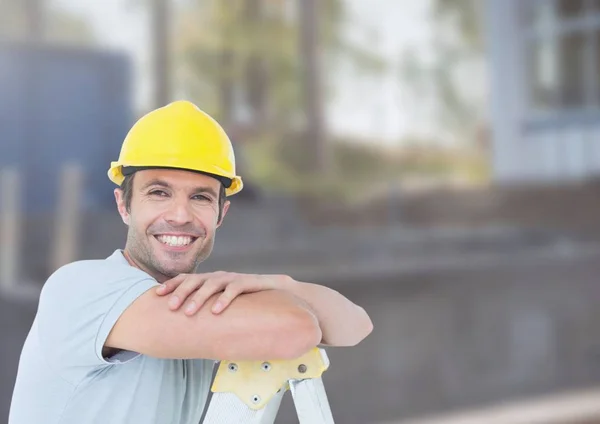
(174, 240)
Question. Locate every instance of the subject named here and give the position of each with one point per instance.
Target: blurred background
(435, 161)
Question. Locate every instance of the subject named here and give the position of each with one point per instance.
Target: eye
(202, 197)
(158, 193)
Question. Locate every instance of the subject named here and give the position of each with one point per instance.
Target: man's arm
(342, 322)
(269, 324)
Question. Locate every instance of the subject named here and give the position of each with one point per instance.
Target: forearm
(342, 322)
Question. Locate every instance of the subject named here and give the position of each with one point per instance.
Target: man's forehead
(176, 178)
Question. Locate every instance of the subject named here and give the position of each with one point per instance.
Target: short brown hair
(127, 188)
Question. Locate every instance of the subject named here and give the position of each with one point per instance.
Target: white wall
(504, 79)
(565, 149)
(560, 153)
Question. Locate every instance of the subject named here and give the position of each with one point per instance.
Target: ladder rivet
(302, 368)
(233, 367)
(255, 399)
(266, 366)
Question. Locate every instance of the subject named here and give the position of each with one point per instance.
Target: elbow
(364, 328)
(301, 334)
(355, 331)
(367, 326)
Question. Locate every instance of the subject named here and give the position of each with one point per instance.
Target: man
(133, 338)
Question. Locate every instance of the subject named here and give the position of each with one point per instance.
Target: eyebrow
(162, 183)
(155, 182)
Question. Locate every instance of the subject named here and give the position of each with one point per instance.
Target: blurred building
(61, 105)
(545, 87)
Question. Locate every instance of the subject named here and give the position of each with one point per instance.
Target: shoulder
(91, 268)
(92, 275)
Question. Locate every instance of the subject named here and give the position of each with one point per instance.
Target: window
(562, 49)
(572, 54)
(537, 14)
(543, 77)
(570, 8)
(596, 57)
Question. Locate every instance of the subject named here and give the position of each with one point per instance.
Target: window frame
(530, 33)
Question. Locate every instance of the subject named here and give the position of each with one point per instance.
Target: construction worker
(133, 338)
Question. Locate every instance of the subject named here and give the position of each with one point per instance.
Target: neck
(156, 275)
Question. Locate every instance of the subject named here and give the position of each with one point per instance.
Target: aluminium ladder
(250, 392)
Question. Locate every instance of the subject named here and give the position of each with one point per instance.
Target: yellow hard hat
(181, 136)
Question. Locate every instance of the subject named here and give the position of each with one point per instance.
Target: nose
(179, 212)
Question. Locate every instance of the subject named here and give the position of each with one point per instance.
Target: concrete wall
(453, 340)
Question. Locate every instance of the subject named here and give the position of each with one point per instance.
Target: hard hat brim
(129, 170)
(118, 172)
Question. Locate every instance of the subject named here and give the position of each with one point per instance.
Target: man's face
(172, 220)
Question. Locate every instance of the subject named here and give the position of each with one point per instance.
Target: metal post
(160, 46)
(313, 103)
(67, 222)
(10, 229)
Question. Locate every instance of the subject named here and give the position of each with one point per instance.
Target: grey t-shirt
(63, 377)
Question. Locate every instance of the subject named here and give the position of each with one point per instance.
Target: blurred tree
(244, 61)
(33, 20)
(34, 11)
(465, 16)
(63, 27)
(438, 82)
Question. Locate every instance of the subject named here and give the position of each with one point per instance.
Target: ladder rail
(310, 400)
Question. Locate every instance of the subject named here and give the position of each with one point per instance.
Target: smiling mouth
(176, 241)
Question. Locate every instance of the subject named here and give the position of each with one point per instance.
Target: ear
(225, 209)
(121, 205)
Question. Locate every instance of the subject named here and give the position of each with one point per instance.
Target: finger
(185, 290)
(231, 292)
(209, 288)
(170, 285)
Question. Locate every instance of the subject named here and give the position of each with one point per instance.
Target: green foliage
(68, 29)
(465, 16)
(458, 42)
(60, 26)
(357, 168)
(219, 41)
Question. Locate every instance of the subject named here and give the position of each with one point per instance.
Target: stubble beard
(141, 252)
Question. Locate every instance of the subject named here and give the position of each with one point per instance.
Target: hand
(196, 289)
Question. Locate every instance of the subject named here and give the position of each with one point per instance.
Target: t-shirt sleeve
(79, 305)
